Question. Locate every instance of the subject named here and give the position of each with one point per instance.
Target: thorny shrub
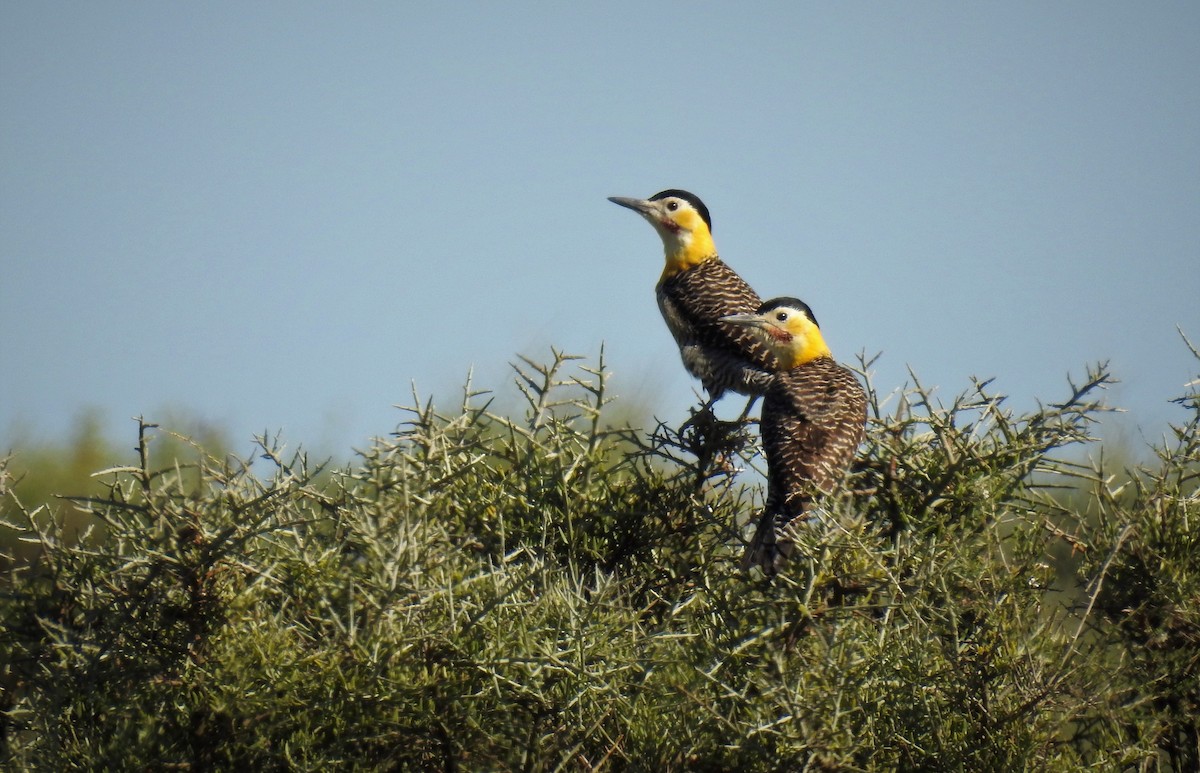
(549, 592)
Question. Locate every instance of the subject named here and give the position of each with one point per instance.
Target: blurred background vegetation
(555, 588)
(41, 470)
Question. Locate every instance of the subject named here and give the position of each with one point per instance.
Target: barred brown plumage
(813, 420)
(721, 355)
(696, 290)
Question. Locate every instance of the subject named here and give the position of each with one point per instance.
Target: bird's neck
(686, 249)
(802, 350)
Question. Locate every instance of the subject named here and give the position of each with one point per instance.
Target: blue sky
(279, 215)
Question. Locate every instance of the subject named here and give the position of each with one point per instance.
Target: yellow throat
(799, 343)
(687, 243)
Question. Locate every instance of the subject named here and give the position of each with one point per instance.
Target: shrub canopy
(548, 591)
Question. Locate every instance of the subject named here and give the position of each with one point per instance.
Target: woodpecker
(696, 290)
(813, 419)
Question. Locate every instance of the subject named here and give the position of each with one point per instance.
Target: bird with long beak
(813, 419)
(696, 290)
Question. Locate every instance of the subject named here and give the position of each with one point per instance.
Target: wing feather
(813, 420)
(721, 355)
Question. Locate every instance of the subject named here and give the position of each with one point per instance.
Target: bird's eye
(672, 205)
(781, 316)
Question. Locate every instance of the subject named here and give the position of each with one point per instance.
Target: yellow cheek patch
(692, 245)
(807, 342)
(689, 219)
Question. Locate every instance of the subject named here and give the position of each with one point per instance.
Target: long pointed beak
(748, 320)
(641, 206)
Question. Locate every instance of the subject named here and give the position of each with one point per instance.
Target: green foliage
(39, 470)
(548, 592)
(43, 469)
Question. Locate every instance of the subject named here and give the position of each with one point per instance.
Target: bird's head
(788, 328)
(682, 222)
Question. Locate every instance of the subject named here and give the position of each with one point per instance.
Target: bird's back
(721, 355)
(813, 420)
